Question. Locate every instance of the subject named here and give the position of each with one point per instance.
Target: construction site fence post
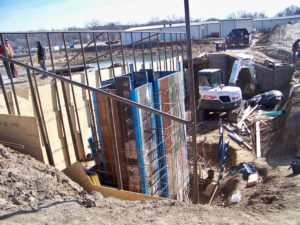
(192, 98)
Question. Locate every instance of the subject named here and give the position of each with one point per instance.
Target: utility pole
(192, 97)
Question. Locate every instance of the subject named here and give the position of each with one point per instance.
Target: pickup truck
(238, 37)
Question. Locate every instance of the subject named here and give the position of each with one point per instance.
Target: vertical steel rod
(66, 148)
(9, 74)
(158, 52)
(151, 53)
(97, 57)
(122, 51)
(39, 117)
(177, 49)
(143, 51)
(181, 45)
(110, 55)
(172, 52)
(70, 60)
(73, 129)
(192, 97)
(134, 60)
(93, 125)
(165, 49)
(38, 96)
(4, 94)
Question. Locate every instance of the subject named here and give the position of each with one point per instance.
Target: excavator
(214, 95)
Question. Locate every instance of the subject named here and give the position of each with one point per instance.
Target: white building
(270, 23)
(220, 28)
(227, 25)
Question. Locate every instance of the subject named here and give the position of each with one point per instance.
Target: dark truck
(238, 37)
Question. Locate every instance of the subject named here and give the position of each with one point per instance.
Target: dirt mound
(26, 183)
(272, 194)
(278, 43)
(291, 137)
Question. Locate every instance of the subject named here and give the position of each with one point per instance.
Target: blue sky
(24, 15)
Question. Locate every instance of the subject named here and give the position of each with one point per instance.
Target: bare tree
(93, 25)
(289, 11)
(212, 19)
(245, 14)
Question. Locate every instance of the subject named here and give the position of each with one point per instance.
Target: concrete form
(152, 150)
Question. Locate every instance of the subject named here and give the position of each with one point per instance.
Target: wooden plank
(116, 111)
(23, 93)
(22, 130)
(235, 137)
(246, 114)
(78, 175)
(258, 144)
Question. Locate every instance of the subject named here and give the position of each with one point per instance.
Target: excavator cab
(214, 95)
(210, 78)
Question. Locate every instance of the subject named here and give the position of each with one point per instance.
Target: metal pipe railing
(71, 123)
(96, 52)
(91, 31)
(66, 151)
(101, 92)
(38, 105)
(129, 45)
(5, 94)
(9, 73)
(93, 122)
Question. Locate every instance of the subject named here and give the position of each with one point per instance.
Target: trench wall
(266, 78)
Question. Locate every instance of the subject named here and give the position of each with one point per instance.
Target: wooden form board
(136, 135)
(105, 111)
(77, 174)
(58, 142)
(22, 130)
(123, 89)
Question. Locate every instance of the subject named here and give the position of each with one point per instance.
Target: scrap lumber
(247, 113)
(252, 179)
(213, 195)
(234, 114)
(209, 190)
(250, 174)
(77, 173)
(258, 144)
(246, 128)
(235, 137)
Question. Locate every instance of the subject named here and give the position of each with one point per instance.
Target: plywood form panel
(22, 130)
(106, 140)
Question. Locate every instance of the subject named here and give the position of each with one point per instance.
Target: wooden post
(258, 145)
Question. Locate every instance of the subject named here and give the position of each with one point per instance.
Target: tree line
(72, 38)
